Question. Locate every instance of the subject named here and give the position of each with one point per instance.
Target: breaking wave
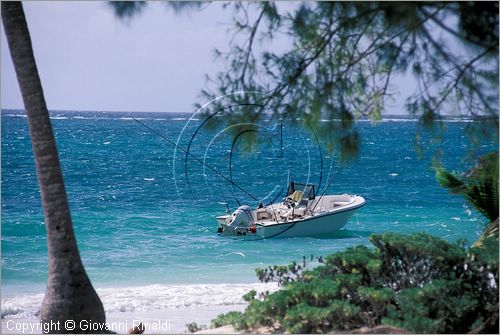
(146, 298)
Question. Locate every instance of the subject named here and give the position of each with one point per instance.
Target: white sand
(171, 320)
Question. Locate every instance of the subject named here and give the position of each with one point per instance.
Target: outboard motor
(241, 222)
(242, 217)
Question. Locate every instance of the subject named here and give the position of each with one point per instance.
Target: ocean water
(144, 210)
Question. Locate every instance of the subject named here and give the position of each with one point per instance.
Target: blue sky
(90, 60)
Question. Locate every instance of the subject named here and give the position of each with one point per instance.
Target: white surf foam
(146, 298)
(17, 115)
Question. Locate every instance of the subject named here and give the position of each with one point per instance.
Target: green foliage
(479, 186)
(357, 260)
(236, 319)
(416, 282)
(281, 274)
(250, 296)
(442, 306)
(193, 327)
(130, 9)
(127, 9)
(487, 253)
(378, 299)
(303, 318)
(344, 56)
(415, 259)
(482, 27)
(342, 61)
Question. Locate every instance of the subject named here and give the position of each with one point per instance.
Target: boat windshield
(307, 190)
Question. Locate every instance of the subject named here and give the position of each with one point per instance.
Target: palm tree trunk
(69, 295)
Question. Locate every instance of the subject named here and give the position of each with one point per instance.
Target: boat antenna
(196, 158)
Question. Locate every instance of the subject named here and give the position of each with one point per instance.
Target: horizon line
(384, 117)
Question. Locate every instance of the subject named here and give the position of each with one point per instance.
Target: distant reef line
(363, 118)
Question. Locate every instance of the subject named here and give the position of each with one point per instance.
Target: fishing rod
(196, 158)
(326, 187)
(281, 140)
(321, 196)
(196, 132)
(189, 147)
(225, 202)
(320, 155)
(231, 157)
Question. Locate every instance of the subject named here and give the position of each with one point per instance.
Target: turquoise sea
(144, 214)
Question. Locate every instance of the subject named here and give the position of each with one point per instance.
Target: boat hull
(321, 216)
(312, 226)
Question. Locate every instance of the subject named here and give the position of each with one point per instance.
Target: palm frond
(479, 186)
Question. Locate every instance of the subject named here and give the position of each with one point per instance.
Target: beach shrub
(416, 282)
(231, 318)
(193, 327)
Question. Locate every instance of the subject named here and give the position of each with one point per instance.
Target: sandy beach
(171, 320)
(160, 308)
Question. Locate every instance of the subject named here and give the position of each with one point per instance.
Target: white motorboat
(301, 213)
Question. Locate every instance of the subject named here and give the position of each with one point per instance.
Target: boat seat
(296, 196)
(299, 211)
(263, 215)
(304, 202)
